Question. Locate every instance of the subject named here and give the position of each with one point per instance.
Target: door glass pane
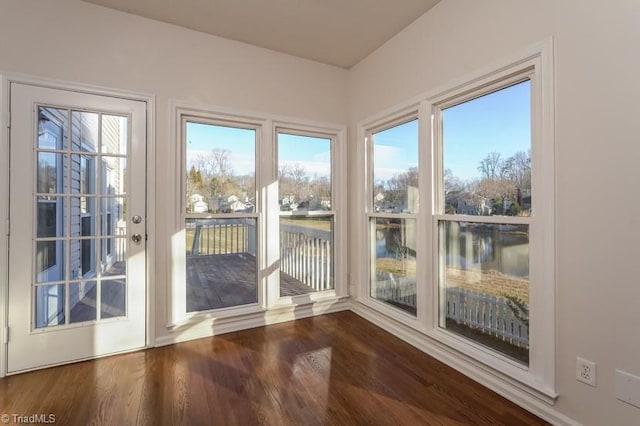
(82, 301)
(112, 212)
(52, 128)
(393, 273)
(304, 173)
(113, 176)
(306, 254)
(83, 174)
(220, 169)
(395, 169)
(487, 154)
(113, 298)
(50, 261)
(50, 217)
(485, 284)
(113, 256)
(49, 173)
(83, 258)
(221, 263)
(114, 135)
(49, 305)
(83, 216)
(84, 134)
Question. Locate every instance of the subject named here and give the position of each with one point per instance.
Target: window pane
(395, 169)
(84, 135)
(393, 250)
(220, 169)
(221, 263)
(114, 256)
(82, 301)
(484, 284)
(49, 305)
(487, 154)
(306, 254)
(50, 171)
(50, 264)
(114, 135)
(304, 173)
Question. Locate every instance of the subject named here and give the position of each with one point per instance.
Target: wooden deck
(335, 369)
(224, 280)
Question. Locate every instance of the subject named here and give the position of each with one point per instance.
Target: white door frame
(5, 80)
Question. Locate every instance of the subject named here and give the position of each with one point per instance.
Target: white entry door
(77, 226)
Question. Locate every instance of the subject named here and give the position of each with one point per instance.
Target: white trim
(207, 327)
(4, 218)
(537, 403)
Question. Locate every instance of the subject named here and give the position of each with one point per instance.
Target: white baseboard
(200, 328)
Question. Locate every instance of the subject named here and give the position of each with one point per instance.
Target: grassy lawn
(324, 223)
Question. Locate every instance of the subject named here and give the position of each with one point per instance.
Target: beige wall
(597, 127)
(79, 42)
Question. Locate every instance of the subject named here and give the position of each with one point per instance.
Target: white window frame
(267, 213)
(338, 196)
(540, 373)
(538, 378)
(386, 121)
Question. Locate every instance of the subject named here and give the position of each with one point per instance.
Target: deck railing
(305, 252)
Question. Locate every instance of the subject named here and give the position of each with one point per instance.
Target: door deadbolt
(136, 219)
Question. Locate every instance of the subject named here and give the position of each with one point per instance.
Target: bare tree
(492, 166)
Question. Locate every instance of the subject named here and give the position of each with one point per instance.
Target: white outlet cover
(628, 388)
(586, 371)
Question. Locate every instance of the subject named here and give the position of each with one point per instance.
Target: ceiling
(336, 32)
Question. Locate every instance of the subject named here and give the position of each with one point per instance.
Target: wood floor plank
(335, 369)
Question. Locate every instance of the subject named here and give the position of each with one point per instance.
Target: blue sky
(314, 154)
(497, 122)
(500, 122)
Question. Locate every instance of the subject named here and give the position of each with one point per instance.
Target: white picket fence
(489, 314)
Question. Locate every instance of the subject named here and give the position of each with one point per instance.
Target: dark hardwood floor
(333, 369)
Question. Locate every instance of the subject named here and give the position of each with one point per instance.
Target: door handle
(136, 238)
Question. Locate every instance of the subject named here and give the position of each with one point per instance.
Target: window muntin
(305, 179)
(220, 217)
(393, 214)
(483, 266)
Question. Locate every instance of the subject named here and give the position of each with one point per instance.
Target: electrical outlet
(586, 371)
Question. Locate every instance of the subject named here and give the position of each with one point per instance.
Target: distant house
(232, 203)
(463, 202)
(198, 204)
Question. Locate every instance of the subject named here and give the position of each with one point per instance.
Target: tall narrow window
(220, 215)
(306, 213)
(393, 214)
(484, 222)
